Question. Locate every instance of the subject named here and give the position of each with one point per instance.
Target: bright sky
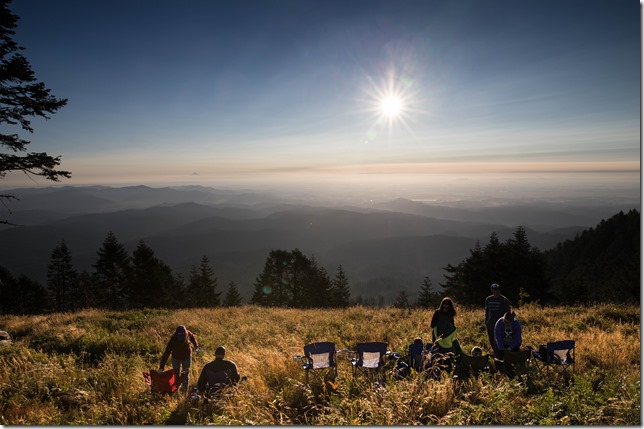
(198, 90)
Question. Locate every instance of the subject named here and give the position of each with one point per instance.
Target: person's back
(496, 305)
(218, 373)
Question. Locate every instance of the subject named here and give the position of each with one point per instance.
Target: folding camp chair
(370, 359)
(418, 357)
(514, 362)
(319, 358)
(474, 365)
(164, 382)
(557, 354)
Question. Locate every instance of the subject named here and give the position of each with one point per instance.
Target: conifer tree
(262, 295)
(427, 297)
(85, 293)
(402, 300)
(525, 267)
(22, 97)
(113, 270)
(151, 280)
(202, 285)
(314, 282)
(31, 297)
(340, 289)
(290, 279)
(62, 278)
(272, 286)
(8, 291)
(513, 264)
(233, 297)
(177, 295)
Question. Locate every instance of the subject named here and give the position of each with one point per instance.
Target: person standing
(181, 351)
(496, 305)
(443, 327)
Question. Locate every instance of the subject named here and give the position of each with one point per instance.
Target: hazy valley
(383, 246)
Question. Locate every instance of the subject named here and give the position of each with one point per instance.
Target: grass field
(86, 368)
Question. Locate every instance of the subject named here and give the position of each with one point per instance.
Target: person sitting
(507, 334)
(218, 374)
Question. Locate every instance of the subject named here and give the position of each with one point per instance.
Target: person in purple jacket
(507, 334)
(179, 347)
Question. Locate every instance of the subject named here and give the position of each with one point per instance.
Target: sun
(391, 100)
(391, 107)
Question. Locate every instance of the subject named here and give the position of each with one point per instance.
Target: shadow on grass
(179, 416)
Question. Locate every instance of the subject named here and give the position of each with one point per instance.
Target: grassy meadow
(86, 368)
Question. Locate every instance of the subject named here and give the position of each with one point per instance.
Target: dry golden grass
(86, 368)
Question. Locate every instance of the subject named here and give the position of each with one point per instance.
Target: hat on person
(495, 286)
(220, 351)
(181, 332)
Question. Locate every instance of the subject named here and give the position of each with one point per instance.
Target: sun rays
(393, 101)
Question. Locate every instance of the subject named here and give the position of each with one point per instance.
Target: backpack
(217, 381)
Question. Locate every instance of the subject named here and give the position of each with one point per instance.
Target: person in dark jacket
(180, 349)
(218, 373)
(507, 334)
(496, 305)
(443, 327)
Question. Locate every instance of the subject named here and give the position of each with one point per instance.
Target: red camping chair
(164, 382)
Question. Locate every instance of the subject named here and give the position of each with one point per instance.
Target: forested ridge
(602, 264)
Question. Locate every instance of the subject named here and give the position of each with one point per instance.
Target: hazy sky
(194, 91)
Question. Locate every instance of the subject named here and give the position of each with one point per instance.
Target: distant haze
(477, 189)
(388, 235)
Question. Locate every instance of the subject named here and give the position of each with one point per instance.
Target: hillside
(85, 368)
(383, 247)
(601, 264)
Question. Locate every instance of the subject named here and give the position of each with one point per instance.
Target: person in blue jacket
(507, 334)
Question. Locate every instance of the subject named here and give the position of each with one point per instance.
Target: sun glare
(391, 106)
(391, 101)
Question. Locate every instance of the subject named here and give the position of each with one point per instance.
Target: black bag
(402, 370)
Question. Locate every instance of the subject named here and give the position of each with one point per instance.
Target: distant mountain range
(383, 247)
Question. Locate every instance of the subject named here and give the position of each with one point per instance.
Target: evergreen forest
(602, 264)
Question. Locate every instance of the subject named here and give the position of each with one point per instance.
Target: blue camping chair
(370, 359)
(419, 356)
(319, 359)
(557, 354)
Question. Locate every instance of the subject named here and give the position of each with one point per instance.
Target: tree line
(121, 281)
(601, 264)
